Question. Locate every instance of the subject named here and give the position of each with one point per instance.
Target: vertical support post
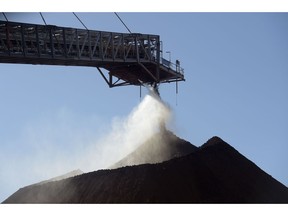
(161, 48)
(37, 41)
(77, 44)
(89, 44)
(112, 45)
(51, 41)
(149, 48)
(137, 48)
(158, 59)
(101, 47)
(23, 41)
(176, 92)
(64, 41)
(110, 80)
(8, 43)
(123, 48)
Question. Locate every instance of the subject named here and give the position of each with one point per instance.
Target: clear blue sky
(236, 70)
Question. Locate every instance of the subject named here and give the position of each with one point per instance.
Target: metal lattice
(127, 57)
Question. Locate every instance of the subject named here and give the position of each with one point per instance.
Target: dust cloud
(146, 119)
(57, 144)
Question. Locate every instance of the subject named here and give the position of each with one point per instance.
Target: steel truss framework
(129, 58)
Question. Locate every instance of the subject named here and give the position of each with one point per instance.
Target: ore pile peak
(161, 147)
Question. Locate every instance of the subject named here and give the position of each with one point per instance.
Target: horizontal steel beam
(26, 43)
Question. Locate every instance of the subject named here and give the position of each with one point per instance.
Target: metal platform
(127, 58)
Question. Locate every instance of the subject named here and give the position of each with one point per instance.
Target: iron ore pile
(171, 170)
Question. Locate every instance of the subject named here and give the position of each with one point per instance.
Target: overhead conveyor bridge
(130, 59)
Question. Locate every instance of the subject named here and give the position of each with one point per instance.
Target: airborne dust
(128, 133)
(56, 146)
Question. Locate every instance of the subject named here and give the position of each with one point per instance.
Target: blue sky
(236, 71)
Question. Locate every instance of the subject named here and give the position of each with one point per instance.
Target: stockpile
(212, 173)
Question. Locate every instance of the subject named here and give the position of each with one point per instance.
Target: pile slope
(160, 147)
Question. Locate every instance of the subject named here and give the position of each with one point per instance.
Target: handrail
(173, 66)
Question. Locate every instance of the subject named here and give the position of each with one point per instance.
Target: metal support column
(8, 43)
(137, 49)
(158, 60)
(23, 41)
(77, 45)
(37, 41)
(65, 42)
(51, 42)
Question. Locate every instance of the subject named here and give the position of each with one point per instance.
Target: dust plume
(56, 144)
(126, 134)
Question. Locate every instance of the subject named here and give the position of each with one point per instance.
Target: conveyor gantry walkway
(128, 58)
